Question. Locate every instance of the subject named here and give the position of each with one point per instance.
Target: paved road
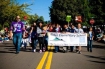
(49, 60)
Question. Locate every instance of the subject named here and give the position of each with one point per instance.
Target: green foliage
(86, 8)
(41, 18)
(61, 8)
(6, 24)
(98, 10)
(9, 9)
(35, 18)
(1, 27)
(85, 24)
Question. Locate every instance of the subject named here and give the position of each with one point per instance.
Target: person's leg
(15, 40)
(64, 49)
(71, 48)
(40, 44)
(79, 50)
(32, 43)
(35, 44)
(88, 45)
(91, 46)
(25, 45)
(46, 45)
(56, 48)
(19, 38)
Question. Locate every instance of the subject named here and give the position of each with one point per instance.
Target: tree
(41, 18)
(61, 8)
(86, 8)
(97, 9)
(9, 10)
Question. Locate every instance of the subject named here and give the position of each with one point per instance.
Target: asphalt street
(50, 60)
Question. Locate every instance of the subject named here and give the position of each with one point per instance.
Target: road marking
(40, 65)
(48, 64)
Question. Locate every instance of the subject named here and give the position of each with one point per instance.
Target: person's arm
(31, 30)
(38, 30)
(11, 30)
(23, 29)
(92, 35)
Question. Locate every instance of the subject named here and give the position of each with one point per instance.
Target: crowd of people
(22, 35)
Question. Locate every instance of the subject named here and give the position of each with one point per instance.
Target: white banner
(67, 39)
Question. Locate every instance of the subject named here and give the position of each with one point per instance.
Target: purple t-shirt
(17, 27)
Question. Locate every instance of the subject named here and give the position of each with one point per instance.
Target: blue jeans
(56, 48)
(71, 48)
(34, 43)
(17, 38)
(89, 46)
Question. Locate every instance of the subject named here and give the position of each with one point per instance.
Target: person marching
(57, 29)
(72, 30)
(40, 36)
(45, 36)
(33, 33)
(90, 36)
(66, 30)
(79, 30)
(17, 28)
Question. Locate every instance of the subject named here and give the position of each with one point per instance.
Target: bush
(1, 27)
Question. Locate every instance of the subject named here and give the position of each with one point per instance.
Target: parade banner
(67, 39)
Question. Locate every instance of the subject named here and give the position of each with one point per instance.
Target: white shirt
(79, 30)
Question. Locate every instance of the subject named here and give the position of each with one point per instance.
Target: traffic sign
(68, 18)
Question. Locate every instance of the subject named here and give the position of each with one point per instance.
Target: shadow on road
(7, 49)
(99, 46)
(6, 52)
(97, 61)
(95, 57)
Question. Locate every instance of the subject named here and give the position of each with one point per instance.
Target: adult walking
(17, 28)
(34, 40)
(90, 39)
(79, 30)
(72, 30)
(66, 29)
(40, 36)
(57, 29)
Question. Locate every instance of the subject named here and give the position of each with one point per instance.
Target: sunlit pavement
(49, 60)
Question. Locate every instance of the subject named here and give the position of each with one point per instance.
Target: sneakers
(17, 53)
(34, 50)
(79, 52)
(40, 51)
(43, 49)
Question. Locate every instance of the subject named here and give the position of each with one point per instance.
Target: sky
(39, 7)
